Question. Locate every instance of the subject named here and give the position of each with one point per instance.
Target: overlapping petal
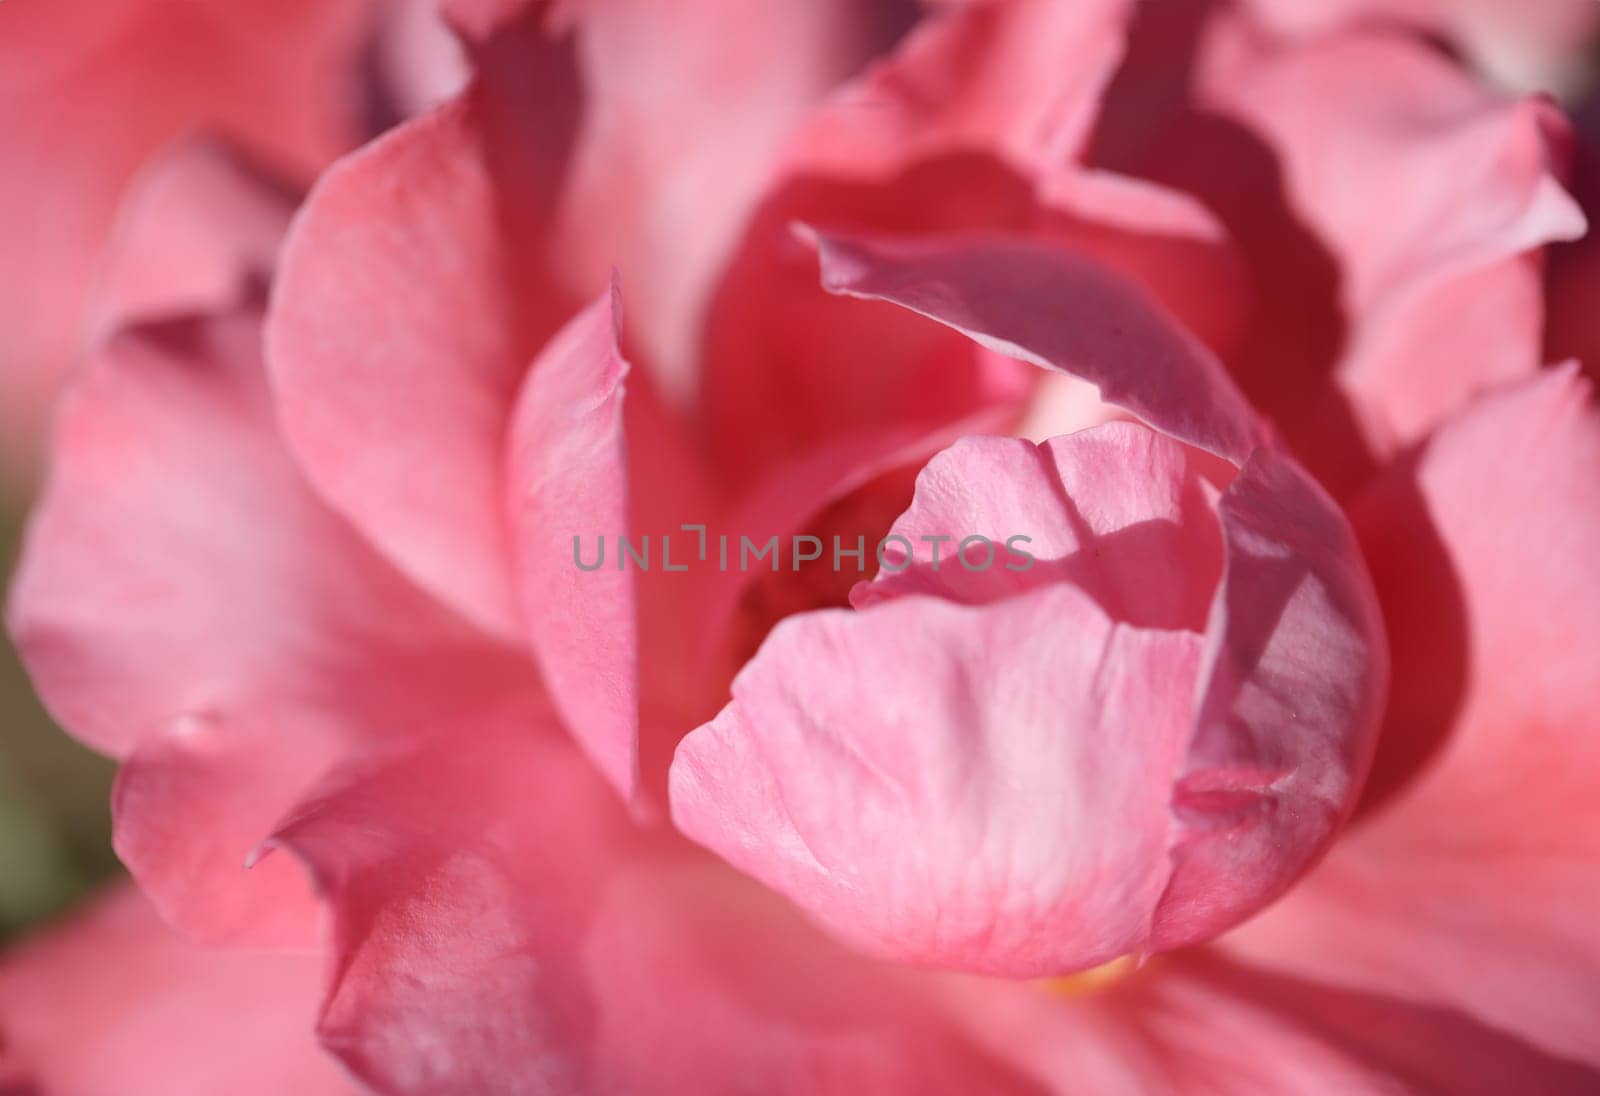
(911, 826)
(1391, 213)
(1471, 884)
(88, 91)
(975, 122)
(502, 927)
(186, 602)
(569, 480)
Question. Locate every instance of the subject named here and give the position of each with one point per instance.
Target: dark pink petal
(414, 292)
(112, 1000)
(568, 475)
(186, 603)
(501, 926)
(1471, 883)
(846, 756)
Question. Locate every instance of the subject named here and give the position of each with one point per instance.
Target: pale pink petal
(199, 231)
(568, 479)
(414, 292)
(88, 91)
(186, 603)
(501, 926)
(111, 1000)
(877, 782)
(1471, 883)
(955, 813)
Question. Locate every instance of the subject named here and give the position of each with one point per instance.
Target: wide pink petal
(960, 812)
(1472, 881)
(568, 476)
(1390, 212)
(185, 602)
(890, 810)
(501, 926)
(88, 91)
(111, 1000)
(415, 289)
(1296, 663)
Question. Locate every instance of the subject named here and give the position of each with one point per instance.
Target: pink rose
(1219, 350)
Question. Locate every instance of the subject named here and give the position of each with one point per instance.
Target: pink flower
(1241, 334)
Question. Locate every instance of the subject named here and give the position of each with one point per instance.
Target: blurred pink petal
(1202, 1023)
(111, 1000)
(414, 293)
(186, 603)
(88, 91)
(1472, 885)
(502, 927)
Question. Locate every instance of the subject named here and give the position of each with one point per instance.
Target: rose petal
(1118, 511)
(569, 489)
(974, 123)
(1536, 48)
(414, 291)
(88, 91)
(1473, 884)
(112, 1000)
(1198, 1022)
(198, 232)
(184, 601)
(668, 211)
(955, 814)
(1389, 209)
(892, 814)
(501, 926)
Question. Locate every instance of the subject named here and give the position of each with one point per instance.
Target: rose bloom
(1272, 772)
